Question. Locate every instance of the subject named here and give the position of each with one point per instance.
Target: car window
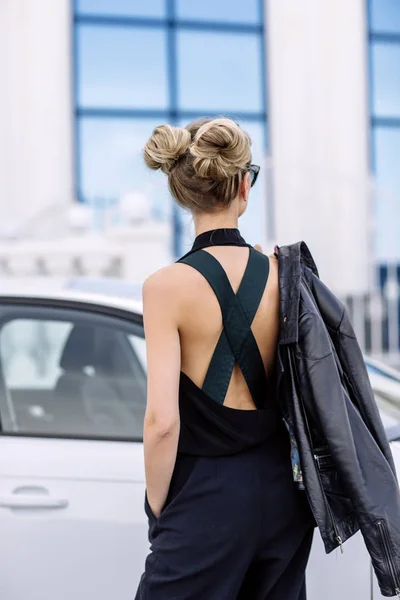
(71, 373)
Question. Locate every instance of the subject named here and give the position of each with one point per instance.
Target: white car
(72, 401)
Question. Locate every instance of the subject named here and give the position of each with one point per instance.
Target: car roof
(112, 293)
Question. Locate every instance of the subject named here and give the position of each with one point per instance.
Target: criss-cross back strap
(236, 341)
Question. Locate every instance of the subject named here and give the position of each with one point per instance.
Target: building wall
(319, 134)
(317, 108)
(35, 109)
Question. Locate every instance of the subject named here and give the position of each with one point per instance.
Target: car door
(72, 400)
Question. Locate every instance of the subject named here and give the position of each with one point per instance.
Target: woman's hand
(259, 248)
(156, 510)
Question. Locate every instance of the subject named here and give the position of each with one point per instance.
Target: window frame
(172, 24)
(12, 307)
(376, 121)
(122, 14)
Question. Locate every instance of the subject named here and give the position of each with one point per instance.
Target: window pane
(387, 195)
(220, 10)
(131, 8)
(253, 224)
(386, 79)
(385, 15)
(67, 377)
(112, 164)
(122, 67)
(219, 71)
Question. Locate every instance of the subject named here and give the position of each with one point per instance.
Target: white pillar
(318, 107)
(36, 112)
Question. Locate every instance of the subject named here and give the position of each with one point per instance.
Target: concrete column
(318, 107)
(36, 112)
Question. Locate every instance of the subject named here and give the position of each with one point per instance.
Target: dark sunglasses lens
(253, 177)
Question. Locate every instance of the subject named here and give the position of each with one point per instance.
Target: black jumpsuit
(234, 525)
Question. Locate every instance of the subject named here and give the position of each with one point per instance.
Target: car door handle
(32, 501)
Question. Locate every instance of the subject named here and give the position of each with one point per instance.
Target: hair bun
(221, 149)
(165, 146)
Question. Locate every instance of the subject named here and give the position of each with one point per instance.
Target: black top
(208, 427)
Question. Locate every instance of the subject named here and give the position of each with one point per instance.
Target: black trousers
(233, 528)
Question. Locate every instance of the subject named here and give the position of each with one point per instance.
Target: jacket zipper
(335, 529)
(337, 537)
(389, 555)
(319, 456)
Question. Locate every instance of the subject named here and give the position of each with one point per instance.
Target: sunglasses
(254, 171)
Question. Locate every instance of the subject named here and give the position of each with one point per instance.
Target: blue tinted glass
(122, 67)
(219, 71)
(150, 8)
(220, 10)
(253, 224)
(385, 15)
(386, 79)
(387, 193)
(111, 155)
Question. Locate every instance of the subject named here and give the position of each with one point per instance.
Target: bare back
(200, 320)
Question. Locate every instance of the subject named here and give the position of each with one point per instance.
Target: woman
(225, 518)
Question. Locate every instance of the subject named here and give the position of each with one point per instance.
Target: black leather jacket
(326, 398)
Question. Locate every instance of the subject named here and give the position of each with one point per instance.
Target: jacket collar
(290, 259)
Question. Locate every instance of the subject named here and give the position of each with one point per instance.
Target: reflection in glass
(31, 352)
(386, 79)
(74, 378)
(385, 16)
(131, 8)
(112, 164)
(220, 10)
(122, 67)
(387, 195)
(219, 71)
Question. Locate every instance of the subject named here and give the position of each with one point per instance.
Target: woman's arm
(161, 423)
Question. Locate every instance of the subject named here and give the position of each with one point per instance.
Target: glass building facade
(139, 64)
(384, 41)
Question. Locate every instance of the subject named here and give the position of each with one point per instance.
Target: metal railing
(376, 316)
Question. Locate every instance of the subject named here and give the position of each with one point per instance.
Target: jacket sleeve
(351, 361)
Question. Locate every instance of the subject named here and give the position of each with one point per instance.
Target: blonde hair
(204, 161)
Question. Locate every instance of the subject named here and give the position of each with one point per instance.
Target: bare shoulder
(167, 283)
(160, 281)
(159, 295)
